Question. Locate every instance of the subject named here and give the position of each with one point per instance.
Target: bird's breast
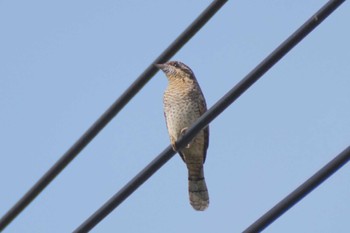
(180, 108)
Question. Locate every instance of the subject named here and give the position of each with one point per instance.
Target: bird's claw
(173, 144)
(182, 132)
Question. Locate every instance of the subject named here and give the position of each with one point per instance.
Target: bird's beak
(160, 66)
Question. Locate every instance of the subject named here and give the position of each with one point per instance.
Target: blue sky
(63, 63)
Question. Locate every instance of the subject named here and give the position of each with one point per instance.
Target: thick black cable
(211, 114)
(299, 193)
(111, 112)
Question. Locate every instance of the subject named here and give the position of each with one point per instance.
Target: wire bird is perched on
(184, 103)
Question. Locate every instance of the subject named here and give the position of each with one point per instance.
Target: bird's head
(176, 69)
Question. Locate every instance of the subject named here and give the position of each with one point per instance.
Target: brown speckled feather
(184, 103)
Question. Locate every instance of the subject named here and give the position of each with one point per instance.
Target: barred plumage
(184, 103)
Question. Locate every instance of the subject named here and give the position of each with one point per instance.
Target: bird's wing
(202, 110)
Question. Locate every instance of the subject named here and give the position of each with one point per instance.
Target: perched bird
(184, 103)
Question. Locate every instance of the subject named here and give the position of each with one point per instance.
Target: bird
(184, 103)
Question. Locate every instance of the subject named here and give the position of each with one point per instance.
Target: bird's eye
(176, 65)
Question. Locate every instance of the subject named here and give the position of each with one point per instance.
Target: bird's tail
(197, 188)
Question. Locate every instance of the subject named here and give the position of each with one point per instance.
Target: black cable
(110, 113)
(211, 114)
(299, 193)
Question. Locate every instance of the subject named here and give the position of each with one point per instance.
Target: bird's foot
(173, 144)
(182, 132)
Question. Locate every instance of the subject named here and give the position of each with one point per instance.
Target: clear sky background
(63, 63)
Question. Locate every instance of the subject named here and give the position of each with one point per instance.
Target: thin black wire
(211, 114)
(110, 113)
(299, 193)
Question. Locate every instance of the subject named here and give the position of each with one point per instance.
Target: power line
(300, 192)
(210, 115)
(111, 112)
